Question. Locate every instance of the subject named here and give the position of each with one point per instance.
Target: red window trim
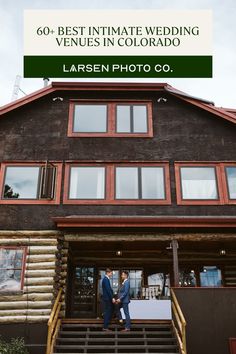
(225, 182)
(111, 116)
(110, 184)
(31, 201)
(23, 268)
(223, 195)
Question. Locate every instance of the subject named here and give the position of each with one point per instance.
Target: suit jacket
(107, 292)
(123, 293)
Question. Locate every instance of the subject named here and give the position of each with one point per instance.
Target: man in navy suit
(108, 299)
(124, 299)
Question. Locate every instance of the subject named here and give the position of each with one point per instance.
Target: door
(84, 294)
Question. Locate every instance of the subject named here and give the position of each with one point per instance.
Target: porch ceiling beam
(133, 237)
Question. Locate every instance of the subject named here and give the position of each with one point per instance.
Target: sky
(219, 89)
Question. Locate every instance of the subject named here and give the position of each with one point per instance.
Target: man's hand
(113, 301)
(118, 301)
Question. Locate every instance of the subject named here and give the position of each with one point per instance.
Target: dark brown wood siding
(182, 132)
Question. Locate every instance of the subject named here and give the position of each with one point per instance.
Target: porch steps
(80, 336)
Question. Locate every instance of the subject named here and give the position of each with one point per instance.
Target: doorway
(83, 302)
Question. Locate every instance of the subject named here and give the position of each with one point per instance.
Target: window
(90, 118)
(135, 277)
(205, 183)
(210, 277)
(110, 183)
(162, 280)
(140, 183)
(131, 119)
(187, 278)
(12, 266)
(21, 182)
(30, 183)
(198, 183)
(231, 181)
(110, 118)
(87, 183)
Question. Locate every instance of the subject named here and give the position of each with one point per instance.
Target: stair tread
(102, 333)
(94, 325)
(139, 346)
(113, 339)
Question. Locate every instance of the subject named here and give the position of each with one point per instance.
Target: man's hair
(125, 272)
(108, 270)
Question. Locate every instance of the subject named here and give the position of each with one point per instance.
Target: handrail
(54, 322)
(180, 330)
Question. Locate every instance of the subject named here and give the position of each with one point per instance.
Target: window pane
(123, 119)
(153, 183)
(90, 118)
(198, 183)
(21, 182)
(211, 276)
(87, 183)
(127, 183)
(231, 178)
(11, 258)
(140, 119)
(187, 278)
(162, 280)
(10, 277)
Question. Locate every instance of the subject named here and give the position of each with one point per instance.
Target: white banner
(117, 32)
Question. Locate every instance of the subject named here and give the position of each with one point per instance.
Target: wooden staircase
(86, 336)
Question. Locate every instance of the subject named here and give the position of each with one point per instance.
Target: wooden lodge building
(135, 176)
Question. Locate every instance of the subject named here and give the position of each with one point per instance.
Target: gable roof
(225, 113)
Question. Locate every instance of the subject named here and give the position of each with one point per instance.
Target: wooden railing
(179, 323)
(54, 323)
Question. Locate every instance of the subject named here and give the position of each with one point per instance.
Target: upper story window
(119, 183)
(87, 183)
(140, 183)
(110, 119)
(90, 118)
(231, 181)
(12, 267)
(30, 183)
(205, 183)
(131, 118)
(198, 183)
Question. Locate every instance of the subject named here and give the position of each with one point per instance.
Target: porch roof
(141, 221)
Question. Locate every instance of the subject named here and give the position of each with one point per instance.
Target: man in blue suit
(124, 299)
(108, 299)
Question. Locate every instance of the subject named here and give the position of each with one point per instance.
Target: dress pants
(127, 316)
(107, 313)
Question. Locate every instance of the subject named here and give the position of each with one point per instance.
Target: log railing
(54, 323)
(179, 323)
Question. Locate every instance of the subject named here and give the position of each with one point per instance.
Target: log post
(174, 245)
